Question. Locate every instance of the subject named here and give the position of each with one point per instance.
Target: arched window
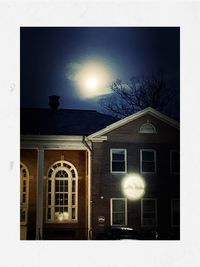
(147, 128)
(62, 192)
(24, 192)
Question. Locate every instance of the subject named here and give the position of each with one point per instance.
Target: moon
(93, 79)
(92, 83)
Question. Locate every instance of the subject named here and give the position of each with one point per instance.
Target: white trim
(52, 137)
(145, 131)
(111, 211)
(156, 214)
(174, 225)
(155, 161)
(125, 159)
(133, 117)
(171, 172)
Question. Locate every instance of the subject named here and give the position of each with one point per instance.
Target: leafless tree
(139, 93)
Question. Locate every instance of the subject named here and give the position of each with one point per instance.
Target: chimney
(54, 102)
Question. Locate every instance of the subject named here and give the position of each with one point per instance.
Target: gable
(143, 116)
(131, 132)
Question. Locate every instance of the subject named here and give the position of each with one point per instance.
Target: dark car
(119, 233)
(122, 233)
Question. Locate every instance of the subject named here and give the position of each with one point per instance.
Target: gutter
(89, 186)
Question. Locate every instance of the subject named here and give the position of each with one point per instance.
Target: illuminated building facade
(82, 171)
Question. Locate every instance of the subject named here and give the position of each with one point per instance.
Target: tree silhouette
(139, 93)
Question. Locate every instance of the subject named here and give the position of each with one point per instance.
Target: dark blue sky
(127, 51)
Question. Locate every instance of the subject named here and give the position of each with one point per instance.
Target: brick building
(73, 163)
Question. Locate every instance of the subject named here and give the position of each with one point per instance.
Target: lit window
(118, 161)
(174, 162)
(24, 188)
(175, 212)
(62, 192)
(147, 128)
(149, 212)
(118, 211)
(147, 161)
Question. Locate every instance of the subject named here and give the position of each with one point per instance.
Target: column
(39, 206)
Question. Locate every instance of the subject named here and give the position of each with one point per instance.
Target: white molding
(155, 161)
(111, 211)
(133, 117)
(116, 172)
(58, 142)
(52, 137)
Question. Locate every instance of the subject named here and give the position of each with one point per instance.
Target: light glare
(133, 186)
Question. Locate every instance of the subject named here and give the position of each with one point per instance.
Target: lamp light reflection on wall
(133, 186)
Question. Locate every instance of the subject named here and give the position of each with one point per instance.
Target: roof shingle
(62, 121)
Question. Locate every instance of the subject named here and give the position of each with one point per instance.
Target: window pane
(148, 167)
(119, 218)
(22, 215)
(65, 199)
(118, 205)
(118, 166)
(73, 214)
(148, 155)
(73, 199)
(49, 214)
(149, 212)
(49, 186)
(118, 155)
(73, 186)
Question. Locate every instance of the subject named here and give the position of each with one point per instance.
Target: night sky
(51, 56)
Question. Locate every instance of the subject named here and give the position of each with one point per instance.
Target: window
(118, 211)
(118, 161)
(147, 161)
(174, 162)
(62, 193)
(147, 128)
(175, 212)
(149, 212)
(24, 192)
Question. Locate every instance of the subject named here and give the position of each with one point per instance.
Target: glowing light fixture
(133, 186)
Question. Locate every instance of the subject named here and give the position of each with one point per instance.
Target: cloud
(72, 71)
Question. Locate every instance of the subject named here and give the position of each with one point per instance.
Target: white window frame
(156, 214)
(70, 206)
(173, 225)
(111, 211)
(171, 171)
(111, 159)
(155, 161)
(145, 131)
(24, 206)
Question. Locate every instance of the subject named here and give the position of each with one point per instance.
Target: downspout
(89, 149)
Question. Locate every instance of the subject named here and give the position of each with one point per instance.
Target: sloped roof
(133, 117)
(62, 121)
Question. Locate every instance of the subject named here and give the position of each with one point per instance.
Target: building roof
(62, 121)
